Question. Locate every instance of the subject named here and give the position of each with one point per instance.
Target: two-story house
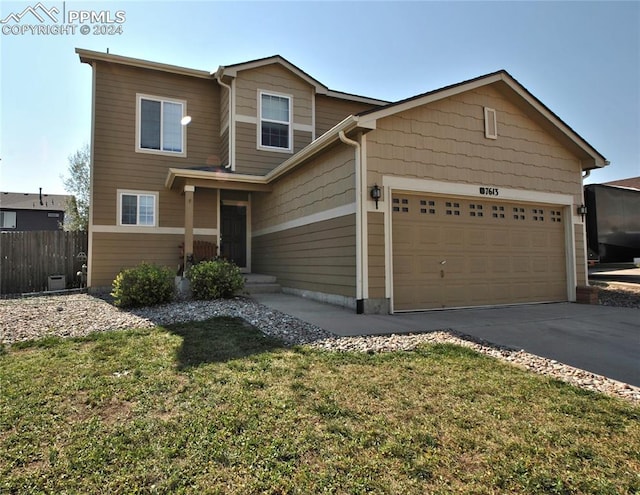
(468, 195)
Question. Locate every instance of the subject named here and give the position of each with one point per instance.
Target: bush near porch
(218, 279)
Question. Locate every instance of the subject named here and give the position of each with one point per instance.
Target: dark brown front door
(234, 234)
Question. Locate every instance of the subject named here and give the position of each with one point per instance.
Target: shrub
(215, 279)
(144, 285)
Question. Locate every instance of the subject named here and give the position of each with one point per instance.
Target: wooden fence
(28, 259)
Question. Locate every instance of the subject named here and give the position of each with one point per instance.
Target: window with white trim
(8, 219)
(137, 208)
(158, 125)
(275, 122)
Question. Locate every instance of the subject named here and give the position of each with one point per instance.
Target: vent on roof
(490, 125)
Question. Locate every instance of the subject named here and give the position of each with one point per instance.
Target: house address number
(489, 191)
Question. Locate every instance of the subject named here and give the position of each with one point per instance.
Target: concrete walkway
(599, 339)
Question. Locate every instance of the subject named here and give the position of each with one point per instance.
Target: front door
(233, 235)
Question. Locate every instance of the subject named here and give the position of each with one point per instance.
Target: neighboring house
(613, 221)
(479, 184)
(32, 211)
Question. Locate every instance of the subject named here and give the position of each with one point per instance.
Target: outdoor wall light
(376, 194)
(186, 120)
(582, 211)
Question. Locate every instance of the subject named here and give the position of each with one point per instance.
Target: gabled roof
(31, 201)
(232, 70)
(319, 88)
(518, 94)
(89, 56)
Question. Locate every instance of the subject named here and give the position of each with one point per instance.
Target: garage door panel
(427, 236)
(403, 265)
(429, 265)
(496, 253)
(499, 237)
(478, 238)
(453, 236)
(479, 266)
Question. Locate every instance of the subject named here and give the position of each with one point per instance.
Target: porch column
(188, 225)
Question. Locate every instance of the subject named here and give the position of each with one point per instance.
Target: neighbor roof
(631, 183)
(31, 201)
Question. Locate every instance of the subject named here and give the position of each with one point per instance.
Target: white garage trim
(392, 184)
(473, 190)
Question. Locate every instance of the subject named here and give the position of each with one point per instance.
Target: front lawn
(216, 407)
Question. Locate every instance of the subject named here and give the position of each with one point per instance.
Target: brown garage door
(450, 252)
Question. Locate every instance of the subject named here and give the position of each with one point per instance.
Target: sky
(581, 59)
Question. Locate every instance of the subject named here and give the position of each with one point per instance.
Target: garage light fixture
(582, 211)
(376, 193)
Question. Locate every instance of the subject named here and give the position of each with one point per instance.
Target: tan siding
(376, 255)
(277, 79)
(115, 252)
(445, 141)
(229, 195)
(250, 160)
(319, 257)
(224, 148)
(330, 111)
(326, 182)
(205, 209)
(274, 78)
(224, 108)
(581, 259)
(118, 166)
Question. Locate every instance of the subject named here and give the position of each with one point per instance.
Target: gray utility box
(57, 282)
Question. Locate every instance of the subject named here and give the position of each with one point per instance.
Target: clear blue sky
(581, 59)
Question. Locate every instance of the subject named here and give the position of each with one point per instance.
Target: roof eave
(593, 158)
(90, 56)
(232, 70)
(256, 182)
(328, 138)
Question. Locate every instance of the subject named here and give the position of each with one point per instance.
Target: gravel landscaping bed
(81, 314)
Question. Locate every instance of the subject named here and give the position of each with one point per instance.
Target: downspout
(232, 157)
(89, 262)
(359, 237)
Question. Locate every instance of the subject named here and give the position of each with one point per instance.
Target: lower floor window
(137, 209)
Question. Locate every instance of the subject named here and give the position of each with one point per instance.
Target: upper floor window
(137, 208)
(158, 125)
(275, 122)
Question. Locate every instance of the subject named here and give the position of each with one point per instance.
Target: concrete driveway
(599, 339)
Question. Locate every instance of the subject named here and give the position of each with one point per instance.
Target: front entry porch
(230, 211)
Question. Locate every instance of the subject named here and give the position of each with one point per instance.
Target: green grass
(215, 407)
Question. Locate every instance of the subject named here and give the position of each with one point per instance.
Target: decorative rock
(81, 314)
